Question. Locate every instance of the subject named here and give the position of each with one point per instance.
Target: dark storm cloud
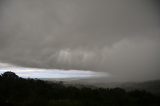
(116, 36)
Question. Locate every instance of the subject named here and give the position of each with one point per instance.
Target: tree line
(17, 91)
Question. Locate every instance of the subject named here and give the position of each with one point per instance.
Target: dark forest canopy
(16, 91)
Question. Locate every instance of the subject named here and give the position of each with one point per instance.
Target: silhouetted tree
(9, 75)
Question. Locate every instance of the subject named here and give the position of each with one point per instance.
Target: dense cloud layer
(117, 36)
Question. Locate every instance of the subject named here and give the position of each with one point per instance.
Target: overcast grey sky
(120, 37)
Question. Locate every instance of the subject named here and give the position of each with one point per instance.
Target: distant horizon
(65, 75)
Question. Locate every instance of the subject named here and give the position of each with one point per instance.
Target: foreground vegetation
(16, 91)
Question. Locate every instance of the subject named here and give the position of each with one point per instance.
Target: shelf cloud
(52, 74)
(120, 37)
